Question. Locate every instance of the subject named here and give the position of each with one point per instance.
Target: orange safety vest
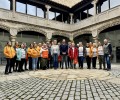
(45, 54)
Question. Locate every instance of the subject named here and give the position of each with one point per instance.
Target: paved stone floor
(66, 84)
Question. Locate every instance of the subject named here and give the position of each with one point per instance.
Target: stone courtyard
(61, 84)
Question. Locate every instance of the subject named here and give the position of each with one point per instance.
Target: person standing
(88, 56)
(68, 61)
(101, 56)
(81, 54)
(9, 53)
(35, 54)
(73, 54)
(39, 57)
(18, 59)
(55, 53)
(44, 56)
(23, 58)
(29, 51)
(94, 55)
(107, 47)
(64, 53)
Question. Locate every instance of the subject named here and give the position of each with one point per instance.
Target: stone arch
(108, 25)
(61, 34)
(32, 29)
(5, 28)
(81, 33)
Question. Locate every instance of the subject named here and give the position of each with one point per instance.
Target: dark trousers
(64, 60)
(60, 64)
(94, 62)
(49, 62)
(101, 61)
(8, 65)
(88, 60)
(38, 63)
(30, 63)
(69, 62)
(18, 65)
(55, 61)
(23, 61)
(14, 63)
(80, 61)
(72, 64)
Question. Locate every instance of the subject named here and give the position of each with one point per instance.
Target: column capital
(48, 7)
(71, 14)
(95, 2)
(13, 31)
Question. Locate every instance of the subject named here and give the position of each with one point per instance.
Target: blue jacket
(19, 54)
(63, 48)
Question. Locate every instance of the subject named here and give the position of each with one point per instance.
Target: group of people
(54, 55)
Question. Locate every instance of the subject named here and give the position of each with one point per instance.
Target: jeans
(30, 63)
(55, 61)
(81, 60)
(34, 63)
(107, 59)
(64, 59)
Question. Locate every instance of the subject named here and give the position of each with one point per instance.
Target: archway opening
(4, 37)
(84, 38)
(30, 37)
(60, 38)
(113, 35)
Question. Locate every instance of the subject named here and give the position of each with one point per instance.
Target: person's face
(9, 43)
(55, 42)
(63, 41)
(31, 45)
(22, 46)
(73, 44)
(105, 41)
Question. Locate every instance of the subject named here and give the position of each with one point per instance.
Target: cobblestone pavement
(61, 84)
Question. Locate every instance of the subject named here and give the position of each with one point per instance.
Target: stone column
(47, 13)
(95, 36)
(13, 39)
(13, 33)
(14, 7)
(71, 37)
(95, 6)
(71, 18)
(49, 36)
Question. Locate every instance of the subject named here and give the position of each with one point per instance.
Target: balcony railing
(28, 19)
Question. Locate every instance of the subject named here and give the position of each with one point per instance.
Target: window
(31, 10)
(40, 12)
(104, 6)
(91, 11)
(51, 15)
(20, 7)
(114, 3)
(5, 4)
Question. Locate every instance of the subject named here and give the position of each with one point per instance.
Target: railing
(101, 17)
(23, 18)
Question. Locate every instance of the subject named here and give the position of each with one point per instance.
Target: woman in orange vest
(35, 54)
(9, 53)
(29, 51)
(44, 54)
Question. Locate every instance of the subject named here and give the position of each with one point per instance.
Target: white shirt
(54, 49)
(87, 51)
(23, 53)
(100, 50)
(80, 51)
(94, 50)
